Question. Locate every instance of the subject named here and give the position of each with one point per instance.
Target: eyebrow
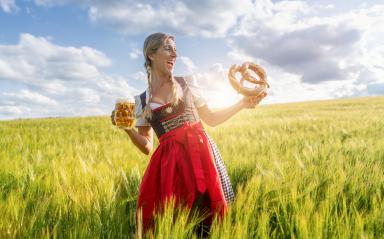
(169, 45)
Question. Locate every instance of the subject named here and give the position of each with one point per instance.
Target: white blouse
(191, 81)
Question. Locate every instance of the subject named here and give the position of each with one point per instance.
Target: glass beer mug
(124, 113)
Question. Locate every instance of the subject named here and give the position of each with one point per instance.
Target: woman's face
(165, 57)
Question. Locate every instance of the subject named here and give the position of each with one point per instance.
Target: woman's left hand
(250, 102)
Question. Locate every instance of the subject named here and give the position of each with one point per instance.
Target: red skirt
(182, 168)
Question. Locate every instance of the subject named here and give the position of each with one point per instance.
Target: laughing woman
(187, 165)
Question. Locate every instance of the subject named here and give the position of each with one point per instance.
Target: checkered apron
(224, 178)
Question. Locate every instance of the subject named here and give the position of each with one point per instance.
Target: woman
(186, 166)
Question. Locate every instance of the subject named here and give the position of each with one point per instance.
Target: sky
(75, 57)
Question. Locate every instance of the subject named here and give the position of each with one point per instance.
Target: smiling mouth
(170, 64)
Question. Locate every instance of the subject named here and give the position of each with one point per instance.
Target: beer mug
(124, 113)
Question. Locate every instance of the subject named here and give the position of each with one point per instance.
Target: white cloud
(88, 95)
(190, 67)
(36, 59)
(311, 50)
(314, 41)
(213, 82)
(50, 3)
(214, 86)
(285, 87)
(140, 76)
(135, 53)
(55, 80)
(304, 43)
(29, 97)
(8, 5)
(13, 111)
(115, 86)
(203, 17)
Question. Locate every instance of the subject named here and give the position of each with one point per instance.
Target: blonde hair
(151, 44)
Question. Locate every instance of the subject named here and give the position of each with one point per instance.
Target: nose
(173, 53)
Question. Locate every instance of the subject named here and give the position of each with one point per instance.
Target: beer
(124, 113)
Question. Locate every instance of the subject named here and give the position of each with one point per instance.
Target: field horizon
(263, 105)
(299, 170)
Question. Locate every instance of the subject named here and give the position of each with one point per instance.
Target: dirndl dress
(185, 165)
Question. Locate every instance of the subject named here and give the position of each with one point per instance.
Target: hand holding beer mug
(124, 113)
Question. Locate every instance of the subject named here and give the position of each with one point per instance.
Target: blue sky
(73, 58)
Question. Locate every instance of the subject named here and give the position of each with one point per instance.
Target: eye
(169, 48)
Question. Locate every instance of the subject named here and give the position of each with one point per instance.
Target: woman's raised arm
(214, 118)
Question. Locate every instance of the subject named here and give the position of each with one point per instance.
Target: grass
(300, 170)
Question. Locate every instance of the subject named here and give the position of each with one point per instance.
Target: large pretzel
(261, 84)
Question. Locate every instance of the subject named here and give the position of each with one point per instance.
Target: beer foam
(125, 100)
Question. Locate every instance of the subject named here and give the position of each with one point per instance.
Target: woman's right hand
(113, 117)
(114, 122)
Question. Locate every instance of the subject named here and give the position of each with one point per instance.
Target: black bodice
(168, 116)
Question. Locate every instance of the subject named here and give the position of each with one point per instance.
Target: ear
(150, 57)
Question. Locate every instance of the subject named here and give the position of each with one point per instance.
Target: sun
(222, 98)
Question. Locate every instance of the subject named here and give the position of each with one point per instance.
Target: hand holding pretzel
(250, 102)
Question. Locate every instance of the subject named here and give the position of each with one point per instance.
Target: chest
(162, 95)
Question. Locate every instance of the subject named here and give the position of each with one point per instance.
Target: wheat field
(299, 170)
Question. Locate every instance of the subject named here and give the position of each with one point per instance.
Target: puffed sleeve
(195, 89)
(140, 121)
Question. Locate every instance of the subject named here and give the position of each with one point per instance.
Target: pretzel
(260, 84)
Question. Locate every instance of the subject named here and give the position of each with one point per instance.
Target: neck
(158, 80)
